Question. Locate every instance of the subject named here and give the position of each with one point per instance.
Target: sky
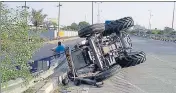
(82, 11)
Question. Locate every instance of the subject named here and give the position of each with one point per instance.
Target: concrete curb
(55, 79)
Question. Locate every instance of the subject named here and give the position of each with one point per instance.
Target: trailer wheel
(65, 81)
(71, 76)
(77, 82)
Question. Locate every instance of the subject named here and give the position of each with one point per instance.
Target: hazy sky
(81, 11)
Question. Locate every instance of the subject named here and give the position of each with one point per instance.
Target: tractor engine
(101, 50)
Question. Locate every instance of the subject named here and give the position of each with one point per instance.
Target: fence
(41, 69)
(45, 63)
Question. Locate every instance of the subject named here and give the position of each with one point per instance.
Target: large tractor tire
(132, 59)
(92, 29)
(107, 29)
(118, 25)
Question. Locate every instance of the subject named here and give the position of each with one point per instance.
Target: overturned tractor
(106, 49)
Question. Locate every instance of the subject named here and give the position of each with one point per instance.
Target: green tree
(54, 24)
(48, 24)
(155, 31)
(168, 29)
(173, 33)
(133, 32)
(83, 24)
(64, 28)
(149, 32)
(16, 49)
(138, 27)
(37, 17)
(161, 32)
(68, 27)
(74, 26)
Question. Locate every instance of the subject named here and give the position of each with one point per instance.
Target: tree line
(38, 19)
(75, 26)
(167, 31)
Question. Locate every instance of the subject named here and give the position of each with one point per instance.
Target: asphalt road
(45, 50)
(156, 75)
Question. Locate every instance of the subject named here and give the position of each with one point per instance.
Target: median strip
(162, 38)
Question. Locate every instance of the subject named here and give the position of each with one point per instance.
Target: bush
(155, 31)
(16, 49)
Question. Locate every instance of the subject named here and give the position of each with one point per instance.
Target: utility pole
(98, 14)
(0, 42)
(59, 16)
(25, 7)
(85, 18)
(92, 12)
(150, 16)
(173, 15)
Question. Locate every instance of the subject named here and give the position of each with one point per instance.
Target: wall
(63, 33)
(52, 34)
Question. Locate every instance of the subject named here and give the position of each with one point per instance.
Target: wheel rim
(127, 39)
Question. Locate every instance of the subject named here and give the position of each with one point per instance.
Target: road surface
(156, 75)
(45, 50)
